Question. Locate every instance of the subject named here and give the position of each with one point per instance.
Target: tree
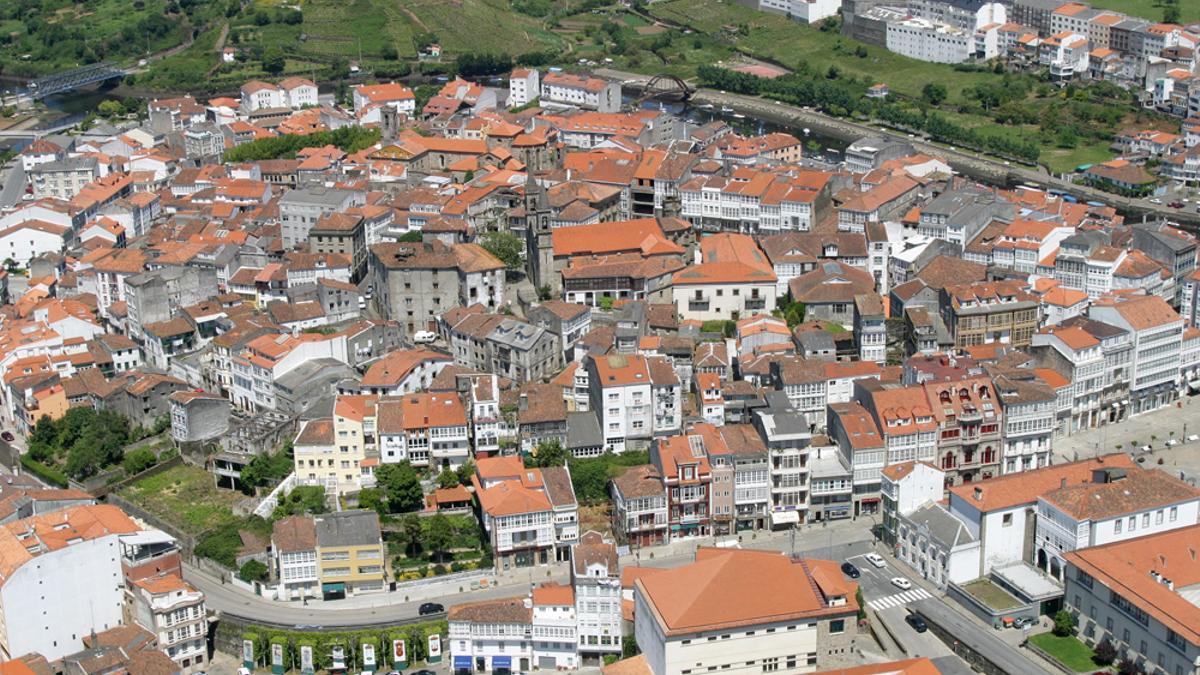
(411, 533)
(447, 479)
(414, 237)
(110, 108)
(372, 500)
(934, 93)
(252, 571)
(465, 471)
(1064, 623)
(304, 499)
(590, 479)
(440, 535)
(389, 52)
(550, 453)
(506, 246)
(138, 461)
(1171, 14)
(273, 60)
(1105, 653)
(402, 486)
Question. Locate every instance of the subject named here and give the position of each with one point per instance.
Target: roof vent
(978, 494)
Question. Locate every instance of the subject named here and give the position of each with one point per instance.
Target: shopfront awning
(336, 587)
(785, 517)
(462, 661)
(501, 662)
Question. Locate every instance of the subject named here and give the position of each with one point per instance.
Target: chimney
(523, 402)
(978, 494)
(1170, 585)
(1062, 482)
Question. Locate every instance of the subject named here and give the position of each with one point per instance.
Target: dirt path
(413, 17)
(219, 49)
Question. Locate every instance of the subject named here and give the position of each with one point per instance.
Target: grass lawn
(1068, 650)
(1149, 9)
(481, 26)
(791, 43)
(185, 496)
(1063, 160)
(991, 595)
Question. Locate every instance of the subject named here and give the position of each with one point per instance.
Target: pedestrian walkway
(879, 604)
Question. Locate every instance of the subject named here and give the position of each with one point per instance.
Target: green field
(185, 496)
(1068, 650)
(991, 595)
(1189, 10)
(790, 43)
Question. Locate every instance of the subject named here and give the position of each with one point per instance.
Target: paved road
(976, 165)
(836, 543)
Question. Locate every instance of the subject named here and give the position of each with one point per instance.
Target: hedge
(46, 473)
(415, 635)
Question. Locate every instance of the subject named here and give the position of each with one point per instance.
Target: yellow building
(350, 553)
(329, 452)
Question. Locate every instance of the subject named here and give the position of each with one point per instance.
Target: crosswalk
(895, 599)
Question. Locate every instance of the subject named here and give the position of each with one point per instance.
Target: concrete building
(716, 612)
(300, 209)
(198, 416)
(416, 283)
(1157, 332)
(596, 579)
(1139, 596)
(294, 558)
(427, 430)
(566, 89)
(174, 611)
(350, 553)
(639, 507)
(1116, 505)
(58, 563)
(635, 397)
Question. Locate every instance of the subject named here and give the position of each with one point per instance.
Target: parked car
(876, 560)
(917, 623)
(901, 583)
(430, 608)
(1193, 438)
(1022, 621)
(7, 436)
(1172, 442)
(1145, 448)
(424, 337)
(850, 570)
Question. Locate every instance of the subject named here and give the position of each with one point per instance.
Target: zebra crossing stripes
(895, 599)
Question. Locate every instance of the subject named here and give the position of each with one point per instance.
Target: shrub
(439, 569)
(48, 474)
(253, 570)
(1105, 653)
(1064, 623)
(138, 461)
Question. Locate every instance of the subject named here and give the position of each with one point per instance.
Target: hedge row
(49, 474)
(415, 637)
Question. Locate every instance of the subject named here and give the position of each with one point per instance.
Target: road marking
(897, 599)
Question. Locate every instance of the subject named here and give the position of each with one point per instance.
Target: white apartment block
(926, 41)
(174, 612)
(523, 86)
(1157, 332)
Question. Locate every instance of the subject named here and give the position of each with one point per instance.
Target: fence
(268, 504)
(104, 488)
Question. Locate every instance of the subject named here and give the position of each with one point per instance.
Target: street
(14, 184)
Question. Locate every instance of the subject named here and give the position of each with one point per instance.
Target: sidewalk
(809, 539)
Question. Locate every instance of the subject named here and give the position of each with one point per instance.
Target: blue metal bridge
(72, 79)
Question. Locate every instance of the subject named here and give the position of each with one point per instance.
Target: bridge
(72, 79)
(665, 88)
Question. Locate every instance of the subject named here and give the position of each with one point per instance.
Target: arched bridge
(72, 79)
(665, 88)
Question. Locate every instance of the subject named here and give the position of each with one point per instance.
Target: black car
(850, 570)
(430, 608)
(7, 436)
(917, 623)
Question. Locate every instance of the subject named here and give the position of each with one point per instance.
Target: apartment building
(639, 507)
(294, 558)
(1157, 335)
(854, 431)
(990, 311)
(970, 420)
(1116, 505)
(417, 282)
(58, 562)
(683, 463)
(636, 398)
(322, 461)
(350, 553)
(590, 93)
(424, 429)
(174, 611)
(791, 625)
(1137, 595)
(1029, 406)
(530, 515)
(596, 578)
(787, 439)
(300, 209)
(734, 278)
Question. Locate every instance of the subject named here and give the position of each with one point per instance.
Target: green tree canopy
(402, 486)
(506, 246)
